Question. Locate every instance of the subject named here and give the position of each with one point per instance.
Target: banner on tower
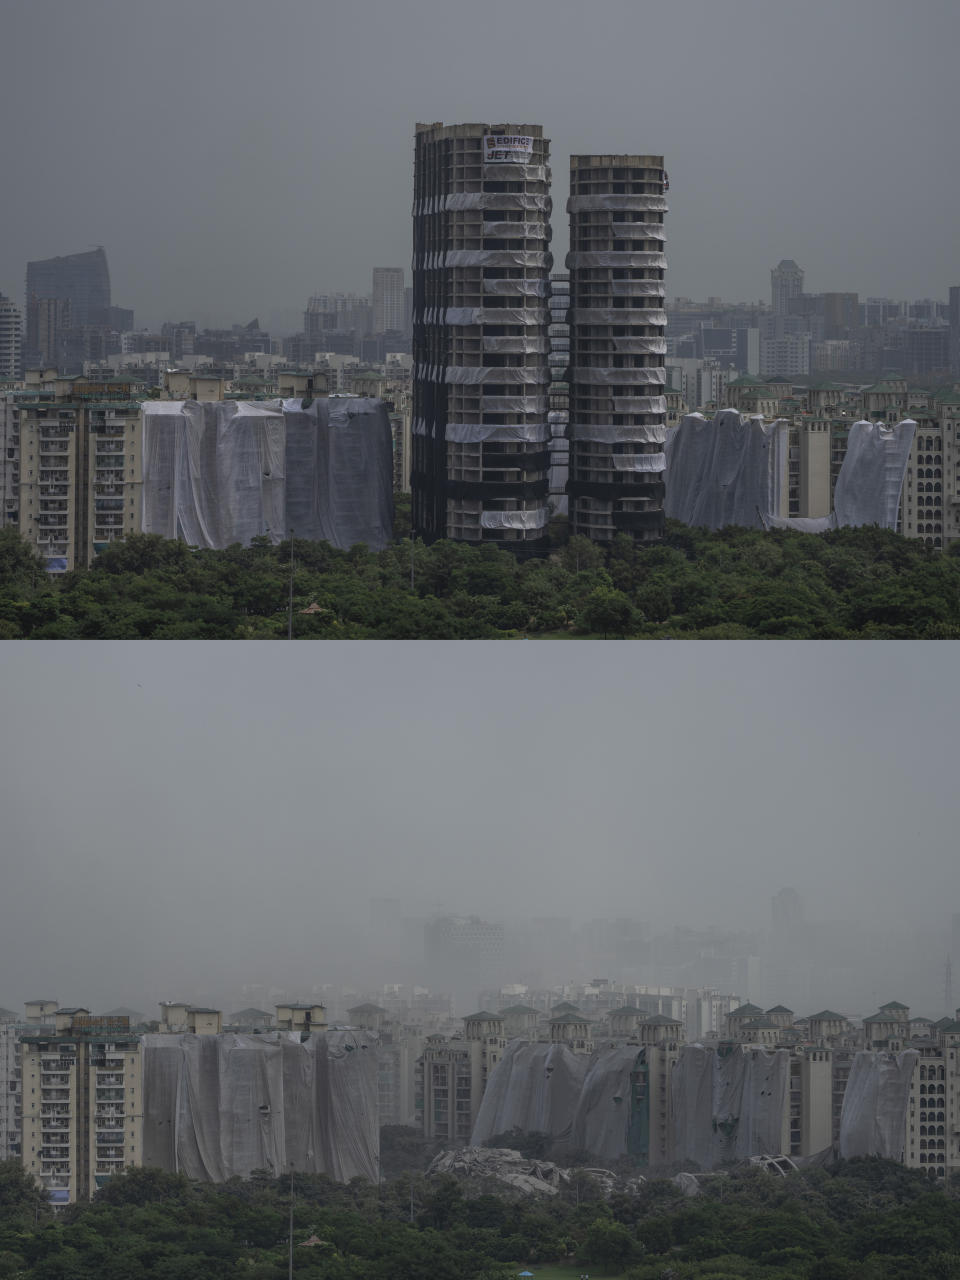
(507, 148)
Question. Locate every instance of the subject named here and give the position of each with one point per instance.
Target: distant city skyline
(236, 203)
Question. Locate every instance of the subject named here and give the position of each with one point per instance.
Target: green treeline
(865, 1220)
(733, 584)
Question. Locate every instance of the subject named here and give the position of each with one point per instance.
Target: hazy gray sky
(233, 156)
(184, 815)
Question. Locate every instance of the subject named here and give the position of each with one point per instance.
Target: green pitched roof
(779, 1008)
(826, 1015)
(483, 1016)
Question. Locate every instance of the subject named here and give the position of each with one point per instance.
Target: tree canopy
(731, 584)
(866, 1218)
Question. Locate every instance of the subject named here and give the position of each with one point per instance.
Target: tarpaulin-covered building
(733, 470)
(224, 471)
(218, 1107)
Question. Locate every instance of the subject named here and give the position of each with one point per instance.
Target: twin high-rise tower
(481, 281)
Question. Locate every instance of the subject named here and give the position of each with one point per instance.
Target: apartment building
(82, 1103)
(481, 270)
(11, 338)
(71, 464)
(177, 1017)
(617, 346)
(455, 1074)
(10, 1086)
(302, 1018)
(930, 502)
(388, 299)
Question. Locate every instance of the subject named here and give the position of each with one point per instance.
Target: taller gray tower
(481, 279)
(786, 282)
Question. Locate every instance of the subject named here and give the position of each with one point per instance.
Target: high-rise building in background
(481, 269)
(463, 954)
(83, 279)
(48, 320)
(617, 346)
(11, 338)
(786, 282)
(388, 300)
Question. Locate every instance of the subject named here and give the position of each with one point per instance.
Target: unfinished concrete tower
(481, 269)
(617, 346)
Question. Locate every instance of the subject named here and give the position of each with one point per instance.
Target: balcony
(107, 1077)
(106, 490)
(50, 1078)
(47, 449)
(54, 491)
(111, 1113)
(106, 446)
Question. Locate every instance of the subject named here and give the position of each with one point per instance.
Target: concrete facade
(617, 346)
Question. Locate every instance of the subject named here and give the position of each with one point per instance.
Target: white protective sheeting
(538, 518)
(603, 433)
(724, 472)
(458, 201)
(477, 432)
(534, 1087)
(533, 288)
(639, 461)
(870, 481)
(617, 315)
(871, 475)
(603, 377)
(485, 315)
(527, 230)
(221, 472)
(340, 471)
(590, 204)
(474, 374)
(637, 289)
(602, 1117)
(213, 472)
(874, 1113)
(488, 258)
(527, 344)
(616, 258)
(640, 346)
(218, 1107)
(728, 1104)
(516, 404)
